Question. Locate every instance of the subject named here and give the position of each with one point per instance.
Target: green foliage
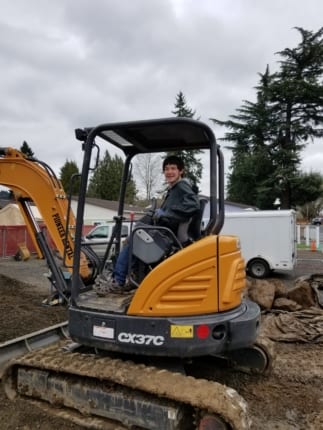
(181, 108)
(26, 149)
(306, 187)
(193, 165)
(70, 182)
(244, 185)
(269, 134)
(106, 180)
(99, 180)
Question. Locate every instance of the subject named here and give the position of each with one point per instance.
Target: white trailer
(268, 239)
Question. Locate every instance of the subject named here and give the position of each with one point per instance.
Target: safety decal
(181, 331)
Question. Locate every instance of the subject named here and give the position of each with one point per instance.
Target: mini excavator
(126, 360)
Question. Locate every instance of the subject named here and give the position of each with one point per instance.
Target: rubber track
(199, 393)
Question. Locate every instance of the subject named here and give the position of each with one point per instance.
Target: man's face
(172, 173)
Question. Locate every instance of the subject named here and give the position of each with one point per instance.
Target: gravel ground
(32, 271)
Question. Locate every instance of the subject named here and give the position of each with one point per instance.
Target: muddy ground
(21, 312)
(290, 398)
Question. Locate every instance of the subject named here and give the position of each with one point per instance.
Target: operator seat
(152, 244)
(191, 230)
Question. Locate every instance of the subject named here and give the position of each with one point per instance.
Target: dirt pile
(290, 313)
(274, 294)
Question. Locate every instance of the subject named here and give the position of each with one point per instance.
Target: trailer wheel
(258, 268)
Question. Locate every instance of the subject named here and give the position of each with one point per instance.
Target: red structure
(12, 236)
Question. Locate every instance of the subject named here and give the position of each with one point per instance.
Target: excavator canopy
(157, 135)
(160, 135)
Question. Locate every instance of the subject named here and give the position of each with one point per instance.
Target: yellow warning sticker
(181, 331)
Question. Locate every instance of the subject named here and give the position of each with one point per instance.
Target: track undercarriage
(106, 392)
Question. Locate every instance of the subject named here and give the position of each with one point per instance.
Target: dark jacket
(180, 202)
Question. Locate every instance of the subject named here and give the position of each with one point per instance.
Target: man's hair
(173, 159)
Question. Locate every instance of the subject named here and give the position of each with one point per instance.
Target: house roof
(113, 205)
(110, 204)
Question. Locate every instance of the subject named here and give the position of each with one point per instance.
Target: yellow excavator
(128, 360)
(33, 183)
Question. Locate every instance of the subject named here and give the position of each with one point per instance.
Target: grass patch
(302, 246)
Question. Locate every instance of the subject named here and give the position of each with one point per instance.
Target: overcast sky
(75, 63)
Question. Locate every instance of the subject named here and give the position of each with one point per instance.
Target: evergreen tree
(297, 103)
(269, 134)
(193, 165)
(106, 180)
(99, 182)
(181, 108)
(67, 171)
(26, 149)
(250, 180)
(306, 187)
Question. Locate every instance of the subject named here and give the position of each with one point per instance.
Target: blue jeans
(121, 268)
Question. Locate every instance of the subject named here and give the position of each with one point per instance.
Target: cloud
(68, 64)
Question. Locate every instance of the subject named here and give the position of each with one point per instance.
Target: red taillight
(202, 331)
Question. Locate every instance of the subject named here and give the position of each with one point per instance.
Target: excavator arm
(34, 182)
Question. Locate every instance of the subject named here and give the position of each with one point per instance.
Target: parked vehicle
(317, 221)
(100, 235)
(268, 239)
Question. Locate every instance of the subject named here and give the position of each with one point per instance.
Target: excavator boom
(34, 183)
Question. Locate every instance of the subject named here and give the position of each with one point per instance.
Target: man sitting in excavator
(179, 205)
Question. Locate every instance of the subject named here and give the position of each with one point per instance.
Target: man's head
(173, 159)
(173, 168)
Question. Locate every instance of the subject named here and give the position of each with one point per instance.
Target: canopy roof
(156, 135)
